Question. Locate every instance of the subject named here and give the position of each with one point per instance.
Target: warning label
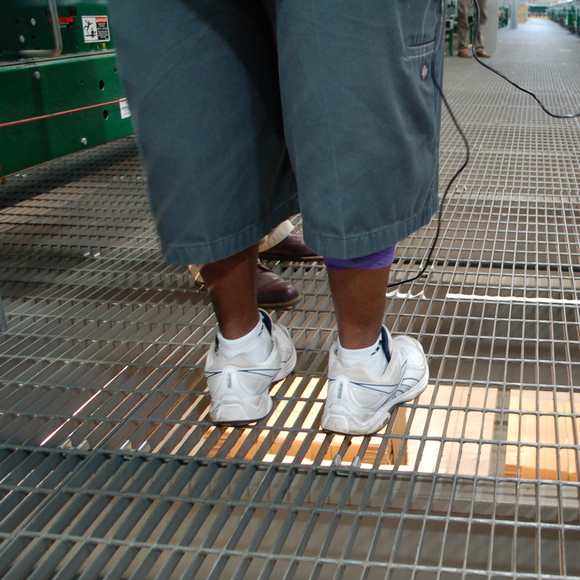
(96, 29)
(66, 21)
(125, 111)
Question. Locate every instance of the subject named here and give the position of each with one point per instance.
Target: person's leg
(209, 126)
(362, 115)
(272, 291)
(359, 298)
(362, 118)
(358, 288)
(219, 178)
(369, 371)
(359, 304)
(463, 7)
(232, 286)
(478, 41)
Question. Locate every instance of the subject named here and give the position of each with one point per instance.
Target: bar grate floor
(110, 469)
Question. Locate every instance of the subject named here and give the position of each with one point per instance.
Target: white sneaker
(359, 403)
(239, 386)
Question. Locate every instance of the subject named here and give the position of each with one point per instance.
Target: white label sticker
(125, 111)
(96, 29)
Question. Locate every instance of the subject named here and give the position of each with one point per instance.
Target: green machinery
(60, 91)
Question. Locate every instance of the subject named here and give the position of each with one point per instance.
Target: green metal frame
(50, 88)
(50, 107)
(25, 25)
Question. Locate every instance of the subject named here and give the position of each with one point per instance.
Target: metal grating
(109, 468)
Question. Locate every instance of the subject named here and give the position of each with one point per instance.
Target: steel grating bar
(410, 520)
(334, 513)
(110, 468)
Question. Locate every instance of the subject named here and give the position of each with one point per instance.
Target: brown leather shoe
(464, 53)
(292, 247)
(482, 54)
(273, 291)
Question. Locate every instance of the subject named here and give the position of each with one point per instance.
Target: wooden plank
(542, 425)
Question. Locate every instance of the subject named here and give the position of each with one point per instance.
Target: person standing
(250, 111)
(463, 10)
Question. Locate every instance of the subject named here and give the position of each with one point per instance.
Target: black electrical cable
(505, 78)
(456, 123)
(427, 260)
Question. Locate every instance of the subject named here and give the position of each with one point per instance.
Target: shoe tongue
(385, 344)
(267, 320)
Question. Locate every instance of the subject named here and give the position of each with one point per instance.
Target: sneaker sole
(284, 371)
(244, 421)
(383, 415)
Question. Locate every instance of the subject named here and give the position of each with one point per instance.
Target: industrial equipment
(60, 90)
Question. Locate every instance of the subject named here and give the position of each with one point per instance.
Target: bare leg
(360, 399)
(359, 302)
(232, 287)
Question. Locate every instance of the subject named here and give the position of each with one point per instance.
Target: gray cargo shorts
(250, 111)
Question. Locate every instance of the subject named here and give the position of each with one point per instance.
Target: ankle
(237, 324)
(374, 357)
(256, 344)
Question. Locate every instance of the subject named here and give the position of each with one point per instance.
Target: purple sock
(380, 259)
